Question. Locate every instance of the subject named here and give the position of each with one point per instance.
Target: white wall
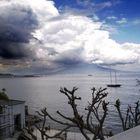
(131, 134)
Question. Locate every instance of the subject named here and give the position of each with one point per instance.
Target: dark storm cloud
(16, 26)
(10, 50)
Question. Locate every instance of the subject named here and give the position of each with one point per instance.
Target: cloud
(93, 5)
(110, 28)
(111, 17)
(136, 22)
(84, 2)
(16, 26)
(71, 33)
(122, 21)
(37, 33)
(88, 7)
(18, 21)
(103, 5)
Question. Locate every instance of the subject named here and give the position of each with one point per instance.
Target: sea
(44, 91)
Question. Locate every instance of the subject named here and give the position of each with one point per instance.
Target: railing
(3, 125)
(4, 120)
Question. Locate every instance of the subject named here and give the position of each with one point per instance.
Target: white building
(12, 117)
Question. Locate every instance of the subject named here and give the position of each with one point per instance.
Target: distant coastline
(9, 75)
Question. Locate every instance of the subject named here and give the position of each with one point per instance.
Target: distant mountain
(10, 75)
(84, 69)
(3, 75)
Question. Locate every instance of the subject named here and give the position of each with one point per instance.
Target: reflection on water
(40, 92)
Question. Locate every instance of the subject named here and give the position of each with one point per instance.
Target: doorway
(17, 121)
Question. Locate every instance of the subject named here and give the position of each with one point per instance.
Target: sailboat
(115, 85)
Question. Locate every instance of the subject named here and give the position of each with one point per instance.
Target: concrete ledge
(131, 134)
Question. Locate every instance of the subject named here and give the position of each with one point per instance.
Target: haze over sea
(39, 92)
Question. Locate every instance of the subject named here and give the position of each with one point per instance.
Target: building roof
(11, 102)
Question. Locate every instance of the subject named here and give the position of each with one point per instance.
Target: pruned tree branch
(132, 116)
(96, 109)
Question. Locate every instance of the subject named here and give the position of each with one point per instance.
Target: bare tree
(44, 129)
(132, 116)
(92, 123)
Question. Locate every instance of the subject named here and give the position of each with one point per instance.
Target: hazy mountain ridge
(85, 69)
(81, 68)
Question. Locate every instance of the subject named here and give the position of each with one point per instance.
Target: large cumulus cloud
(82, 39)
(37, 32)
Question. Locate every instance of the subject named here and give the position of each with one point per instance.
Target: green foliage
(3, 95)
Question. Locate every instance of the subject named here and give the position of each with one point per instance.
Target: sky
(51, 35)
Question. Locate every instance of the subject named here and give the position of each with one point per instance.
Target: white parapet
(131, 134)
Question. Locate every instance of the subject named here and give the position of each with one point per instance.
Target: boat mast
(110, 76)
(115, 78)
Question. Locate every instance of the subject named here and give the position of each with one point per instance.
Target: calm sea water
(42, 92)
